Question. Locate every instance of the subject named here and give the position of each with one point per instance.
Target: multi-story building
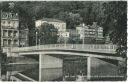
(9, 29)
(60, 25)
(23, 35)
(81, 30)
(92, 33)
(74, 37)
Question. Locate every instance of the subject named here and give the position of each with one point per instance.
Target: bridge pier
(50, 67)
(40, 56)
(0, 70)
(88, 68)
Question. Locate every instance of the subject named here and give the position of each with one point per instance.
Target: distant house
(91, 33)
(23, 35)
(58, 24)
(74, 37)
(64, 37)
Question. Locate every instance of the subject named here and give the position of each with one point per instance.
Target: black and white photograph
(63, 41)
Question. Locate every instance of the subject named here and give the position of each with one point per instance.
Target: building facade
(74, 36)
(23, 38)
(9, 29)
(58, 24)
(23, 35)
(12, 29)
(90, 33)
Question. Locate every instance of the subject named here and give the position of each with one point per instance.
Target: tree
(116, 20)
(48, 34)
(71, 19)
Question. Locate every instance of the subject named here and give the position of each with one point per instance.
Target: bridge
(53, 55)
(103, 50)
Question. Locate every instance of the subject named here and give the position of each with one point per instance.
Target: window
(4, 42)
(9, 42)
(92, 33)
(9, 33)
(5, 33)
(3, 22)
(14, 23)
(15, 33)
(101, 32)
(15, 42)
(9, 22)
(9, 15)
(4, 15)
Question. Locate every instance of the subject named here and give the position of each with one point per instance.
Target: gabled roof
(89, 26)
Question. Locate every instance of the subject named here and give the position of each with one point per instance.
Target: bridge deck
(77, 47)
(91, 50)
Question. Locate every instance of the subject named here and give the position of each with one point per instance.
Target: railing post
(83, 46)
(65, 44)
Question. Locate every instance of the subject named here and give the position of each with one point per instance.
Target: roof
(89, 26)
(52, 20)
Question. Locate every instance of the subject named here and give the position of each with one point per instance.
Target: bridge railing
(67, 46)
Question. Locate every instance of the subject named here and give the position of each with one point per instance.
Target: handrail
(67, 46)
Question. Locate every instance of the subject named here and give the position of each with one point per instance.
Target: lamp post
(39, 41)
(83, 37)
(65, 41)
(66, 36)
(36, 37)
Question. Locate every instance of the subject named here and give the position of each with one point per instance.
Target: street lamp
(66, 36)
(39, 41)
(83, 37)
(36, 37)
(65, 42)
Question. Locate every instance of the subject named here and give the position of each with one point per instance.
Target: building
(9, 29)
(23, 38)
(90, 33)
(63, 37)
(74, 37)
(12, 29)
(23, 35)
(80, 29)
(58, 24)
